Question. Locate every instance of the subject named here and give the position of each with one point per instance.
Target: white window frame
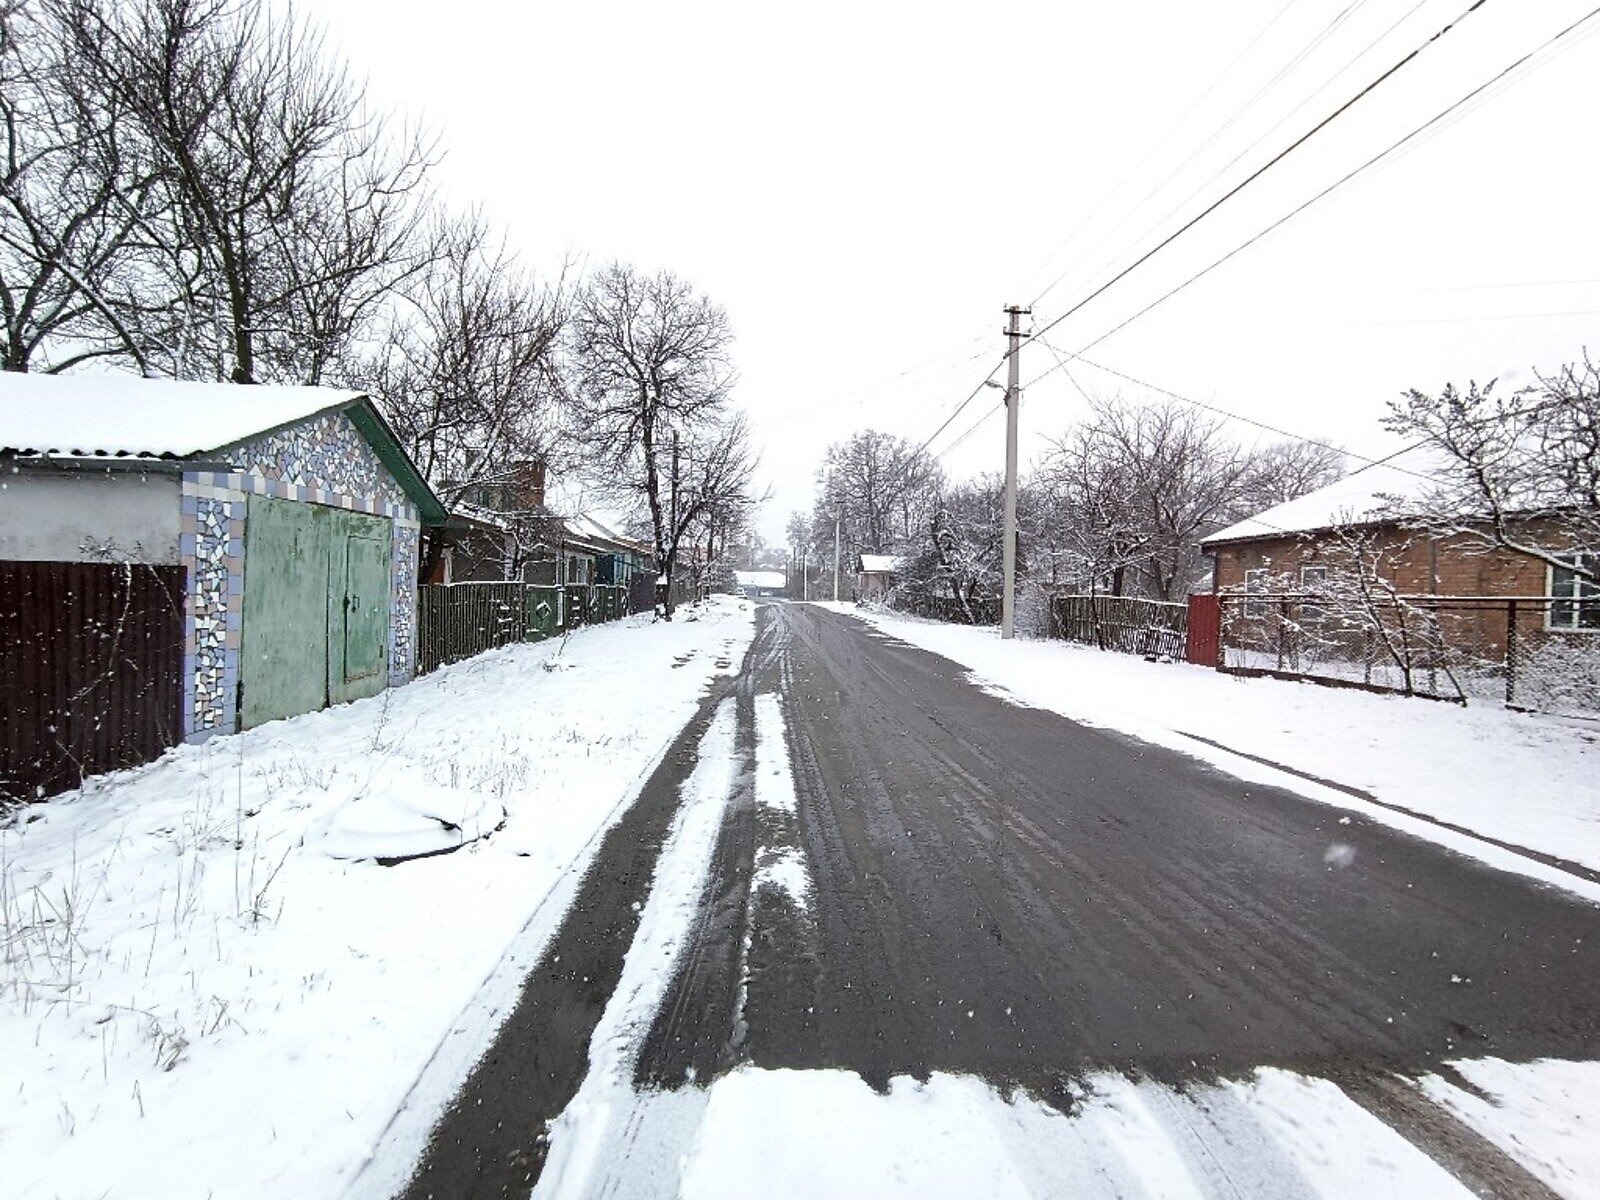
(1255, 581)
(1580, 596)
(1314, 583)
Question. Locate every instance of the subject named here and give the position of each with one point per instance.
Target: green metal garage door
(316, 609)
(359, 632)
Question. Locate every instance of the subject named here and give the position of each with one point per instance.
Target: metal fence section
(91, 665)
(1457, 648)
(459, 620)
(1128, 624)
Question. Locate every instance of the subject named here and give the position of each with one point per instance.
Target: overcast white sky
(865, 186)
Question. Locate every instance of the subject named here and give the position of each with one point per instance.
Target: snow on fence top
(93, 416)
(1375, 492)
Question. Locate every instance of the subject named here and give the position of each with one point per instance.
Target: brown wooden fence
(91, 664)
(1133, 626)
(459, 620)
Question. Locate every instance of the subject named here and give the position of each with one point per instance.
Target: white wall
(89, 516)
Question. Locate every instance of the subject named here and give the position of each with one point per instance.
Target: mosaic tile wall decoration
(322, 461)
(211, 545)
(403, 603)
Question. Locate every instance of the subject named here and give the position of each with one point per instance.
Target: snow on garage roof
(880, 563)
(1372, 493)
(98, 416)
(761, 579)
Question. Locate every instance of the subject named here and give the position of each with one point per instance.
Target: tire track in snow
(595, 1136)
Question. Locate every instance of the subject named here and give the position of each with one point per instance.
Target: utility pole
(1008, 596)
(805, 588)
(838, 520)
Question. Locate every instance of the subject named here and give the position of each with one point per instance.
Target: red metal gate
(1205, 629)
(91, 664)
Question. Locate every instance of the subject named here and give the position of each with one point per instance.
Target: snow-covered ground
(1527, 780)
(207, 985)
(209, 988)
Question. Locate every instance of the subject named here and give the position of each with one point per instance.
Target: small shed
(277, 526)
(761, 583)
(875, 576)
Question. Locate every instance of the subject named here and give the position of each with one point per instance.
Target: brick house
(1497, 601)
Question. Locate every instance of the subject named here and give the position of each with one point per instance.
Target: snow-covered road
(784, 1122)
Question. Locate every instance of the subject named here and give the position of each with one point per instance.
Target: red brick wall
(1417, 565)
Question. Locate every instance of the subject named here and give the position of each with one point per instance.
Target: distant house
(761, 583)
(1501, 605)
(592, 552)
(534, 545)
(179, 560)
(875, 575)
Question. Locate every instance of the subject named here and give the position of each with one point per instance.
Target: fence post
(1511, 651)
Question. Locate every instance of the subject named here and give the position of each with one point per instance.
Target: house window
(1576, 599)
(1314, 583)
(1255, 583)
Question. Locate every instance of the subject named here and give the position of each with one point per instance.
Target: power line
(1265, 167)
(886, 382)
(1282, 73)
(1161, 141)
(1278, 124)
(972, 429)
(1444, 113)
(1230, 415)
(971, 396)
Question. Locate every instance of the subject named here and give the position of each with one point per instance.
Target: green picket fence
(458, 620)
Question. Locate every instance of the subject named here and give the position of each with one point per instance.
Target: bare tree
(959, 560)
(1132, 490)
(468, 371)
(1521, 471)
(1284, 470)
(885, 490)
(284, 211)
(652, 379)
(715, 498)
(76, 184)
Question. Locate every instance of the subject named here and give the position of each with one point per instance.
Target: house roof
(98, 416)
(886, 564)
(586, 529)
(761, 579)
(1379, 491)
(128, 416)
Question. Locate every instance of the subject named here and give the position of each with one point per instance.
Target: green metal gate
(316, 609)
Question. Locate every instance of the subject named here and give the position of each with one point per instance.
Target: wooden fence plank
(91, 662)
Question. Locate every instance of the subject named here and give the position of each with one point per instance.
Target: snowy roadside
(207, 984)
(1526, 780)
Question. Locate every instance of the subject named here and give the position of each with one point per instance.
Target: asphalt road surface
(1002, 892)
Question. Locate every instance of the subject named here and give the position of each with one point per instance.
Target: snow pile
(208, 985)
(1527, 780)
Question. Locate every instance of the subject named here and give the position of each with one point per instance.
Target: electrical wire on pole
(1389, 150)
(1264, 168)
(1008, 553)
